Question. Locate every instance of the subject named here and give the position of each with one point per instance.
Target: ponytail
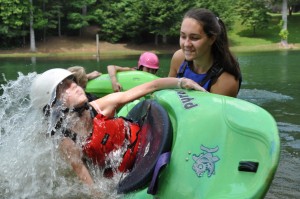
(222, 53)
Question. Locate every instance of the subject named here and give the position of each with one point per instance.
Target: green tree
(253, 14)
(52, 12)
(135, 19)
(286, 6)
(224, 9)
(79, 15)
(38, 20)
(13, 18)
(163, 16)
(119, 19)
(291, 5)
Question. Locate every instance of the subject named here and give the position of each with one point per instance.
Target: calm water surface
(270, 80)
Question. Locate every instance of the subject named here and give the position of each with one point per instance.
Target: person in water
(82, 78)
(204, 55)
(90, 130)
(148, 62)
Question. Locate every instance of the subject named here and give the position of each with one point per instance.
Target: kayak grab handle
(162, 161)
(248, 166)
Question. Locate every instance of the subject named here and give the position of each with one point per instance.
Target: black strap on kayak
(163, 160)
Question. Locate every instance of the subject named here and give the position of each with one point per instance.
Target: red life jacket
(110, 135)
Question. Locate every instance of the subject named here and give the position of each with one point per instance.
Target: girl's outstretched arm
(112, 71)
(109, 103)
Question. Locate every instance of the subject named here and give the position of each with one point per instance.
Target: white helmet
(43, 88)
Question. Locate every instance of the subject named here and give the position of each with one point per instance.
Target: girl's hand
(117, 87)
(93, 75)
(189, 84)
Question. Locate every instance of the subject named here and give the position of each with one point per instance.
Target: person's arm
(226, 84)
(109, 103)
(176, 61)
(112, 71)
(72, 154)
(93, 75)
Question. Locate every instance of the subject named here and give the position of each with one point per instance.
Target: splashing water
(260, 97)
(30, 165)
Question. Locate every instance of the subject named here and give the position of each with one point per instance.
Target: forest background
(34, 26)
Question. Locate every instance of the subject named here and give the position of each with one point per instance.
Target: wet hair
(141, 68)
(79, 74)
(214, 26)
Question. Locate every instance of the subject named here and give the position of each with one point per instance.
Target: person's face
(71, 94)
(149, 70)
(193, 41)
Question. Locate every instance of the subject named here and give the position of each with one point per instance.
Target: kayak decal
(205, 161)
(186, 101)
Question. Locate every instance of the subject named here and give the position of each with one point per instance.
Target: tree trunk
(24, 40)
(164, 39)
(24, 37)
(290, 10)
(156, 39)
(59, 25)
(284, 42)
(45, 27)
(32, 37)
(84, 12)
(254, 31)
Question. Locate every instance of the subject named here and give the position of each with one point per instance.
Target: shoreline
(87, 48)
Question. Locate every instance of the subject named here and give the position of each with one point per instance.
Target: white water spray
(30, 165)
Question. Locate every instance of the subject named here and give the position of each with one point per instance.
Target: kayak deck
(222, 147)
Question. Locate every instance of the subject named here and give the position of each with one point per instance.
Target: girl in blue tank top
(204, 55)
(188, 73)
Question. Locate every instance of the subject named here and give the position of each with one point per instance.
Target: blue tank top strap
(186, 71)
(182, 68)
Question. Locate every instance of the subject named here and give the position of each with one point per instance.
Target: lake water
(270, 80)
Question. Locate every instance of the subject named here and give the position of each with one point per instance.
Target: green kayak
(101, 85)
(201, 145)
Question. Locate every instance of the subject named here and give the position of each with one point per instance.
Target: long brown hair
(213, 26)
